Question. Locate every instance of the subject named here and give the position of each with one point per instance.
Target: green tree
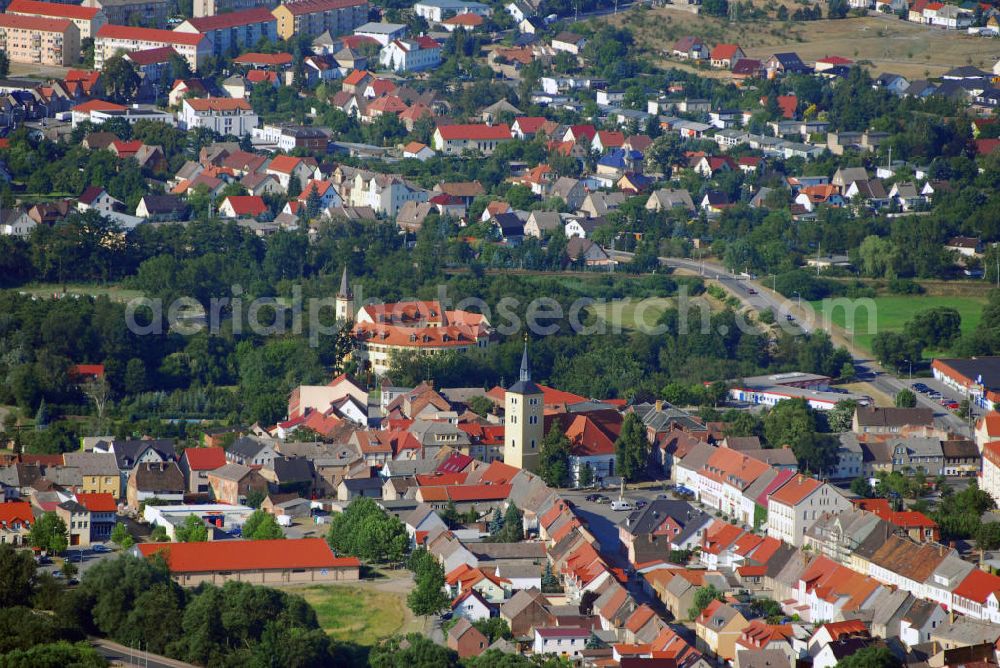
(49, 534)
(896, 351)
(841, 416)
(877, 656)
(935, 328)
(121, 537)
(418, 651)
(905, 399)
(4, 64)
(42, 416)
(586, 475)
(631, 448)
(121, 80)
(428, 596)
(494, 628)
(862, 488)
(192, 530)
(159, 535)
(792, 422)
(553, 458)
(17, 576)
(261, 525)
(702, 597)
(368, 532)
(255, 497)
(512, 530)
(988, 536)
(481, 406)
(550, 583)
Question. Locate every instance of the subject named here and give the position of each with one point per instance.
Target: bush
(904, 286)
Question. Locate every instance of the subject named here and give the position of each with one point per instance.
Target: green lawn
(632, 314)
(112, 292)
(892, 313)
(359, 614)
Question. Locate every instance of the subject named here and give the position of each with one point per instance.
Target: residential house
(454, 139)
(114, 37)
(231, 483)
(77, 520)
(223, 115)
(726, 55)
(98, 472)
(718, 627)
(875, 420)
(197, 463)
(16, 520)
(569, 42)
(525, 610)
(799, 502)
(466, 640)
(567, 641)
(411, 55)
(103, 514)
(236, 31)
(242, 206)
(33, 39)
(690, 48)
(155, 480)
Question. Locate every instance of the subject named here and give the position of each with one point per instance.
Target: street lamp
(798, 299)
(911, 368)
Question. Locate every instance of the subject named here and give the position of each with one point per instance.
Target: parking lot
(83, 558)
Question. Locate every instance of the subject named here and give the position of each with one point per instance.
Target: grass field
(49, 290)
(912, 50)
(359, 614)
(892, 313)
(631, 314)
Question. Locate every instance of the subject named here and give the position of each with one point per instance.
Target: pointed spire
(345, 290)
(525, 368)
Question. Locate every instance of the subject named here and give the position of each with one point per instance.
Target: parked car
(952, 405)
(100, 549)
(622, 504)
(751, 291)
(598, 498)
(789, 317)
(57, 574)
(640, 504)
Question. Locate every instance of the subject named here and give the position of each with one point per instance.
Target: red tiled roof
(160, 54)
(530, 124)
(34, 23)
(474, 131)
(97, 105)
(218, 104)
(248, 555)
(16, 511)
(977, 586)
(267, 59)
(258, 76)
(80, 370)
(247, 205)
(205, 459)
(467, 19)
(98, 502)
(724, 51)
(53, 9)
(231, 19)
(835, 60)
(795, 490)
(300, 7)
(284, 164)
(112, 31)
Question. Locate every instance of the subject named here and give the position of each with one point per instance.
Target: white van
(622, 505)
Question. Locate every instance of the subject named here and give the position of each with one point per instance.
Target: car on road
(597, 498)
(100, 549)
(640, 504)
(751, 291)
(952, 405)
(57, 574)
(920, 387)
(789, 317)
(622, 504)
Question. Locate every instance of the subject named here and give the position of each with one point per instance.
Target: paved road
(120, 655)
(757, 296)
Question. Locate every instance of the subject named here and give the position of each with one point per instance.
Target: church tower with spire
(523, 424)
(344, 301)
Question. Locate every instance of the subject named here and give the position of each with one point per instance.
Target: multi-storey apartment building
(87, 19)
(224, 115)
(213, 7)
(234, 31)
(148, 13)
(314, 17)
(192, 47)
(42, 41)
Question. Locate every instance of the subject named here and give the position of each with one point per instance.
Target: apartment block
(43, 41)
(192, 47)
(204, 8)
(147, 13)
(314, 17)
(224, 115)
(87, 19)
(234, 31)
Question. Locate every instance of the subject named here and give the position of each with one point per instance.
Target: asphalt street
(793, 316)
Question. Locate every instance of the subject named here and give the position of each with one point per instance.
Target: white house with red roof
(227, 116)
(454, 139)
(284, 167)
(794, 506)
(96, 198)
(242, 206)
(110, 39)
(16, 520)
(411, 55)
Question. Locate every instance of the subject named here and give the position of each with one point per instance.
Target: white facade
(789, 523)
(223, 115)
(438, 10)
(549, 641)
(406, 55)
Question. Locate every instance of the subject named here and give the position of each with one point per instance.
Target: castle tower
(344, 301)
(524, 428)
